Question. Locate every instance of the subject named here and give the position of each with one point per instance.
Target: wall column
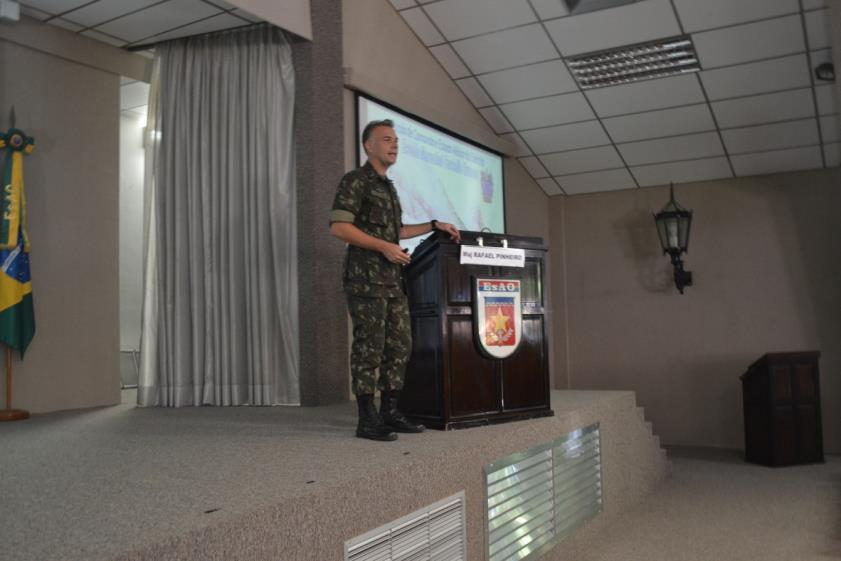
(319, 138)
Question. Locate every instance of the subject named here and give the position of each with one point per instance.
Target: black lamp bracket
(682, 278)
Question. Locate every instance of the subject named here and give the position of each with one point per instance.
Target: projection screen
(438, 174)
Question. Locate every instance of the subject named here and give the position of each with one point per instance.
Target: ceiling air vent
(576, 7)
(644, 61)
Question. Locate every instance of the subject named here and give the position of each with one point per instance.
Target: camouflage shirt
(370, 202)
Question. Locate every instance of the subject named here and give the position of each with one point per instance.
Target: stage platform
(274, 484)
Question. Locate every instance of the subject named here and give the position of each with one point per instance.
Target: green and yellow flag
(17, 314)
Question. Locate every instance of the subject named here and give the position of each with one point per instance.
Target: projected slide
(439, 176)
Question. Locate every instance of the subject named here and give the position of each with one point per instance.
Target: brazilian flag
(17, 314)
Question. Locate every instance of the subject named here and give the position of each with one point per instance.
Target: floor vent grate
(536, 497)
(434, 533)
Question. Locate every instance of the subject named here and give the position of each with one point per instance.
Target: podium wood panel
(525, 370)
(474, 380)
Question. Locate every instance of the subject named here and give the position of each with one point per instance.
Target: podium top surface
(792, 356)
(469, 237)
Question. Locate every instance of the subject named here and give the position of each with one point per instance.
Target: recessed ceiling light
(825, 72)
(633, 63)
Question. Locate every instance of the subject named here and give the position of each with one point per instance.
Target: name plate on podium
(493, 256)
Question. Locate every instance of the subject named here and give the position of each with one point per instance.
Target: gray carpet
(716, 507)
(105, 483)
(93, 484)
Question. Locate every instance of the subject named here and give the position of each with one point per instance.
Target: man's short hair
(369, 128)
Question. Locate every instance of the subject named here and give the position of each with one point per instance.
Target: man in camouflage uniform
(367, 215)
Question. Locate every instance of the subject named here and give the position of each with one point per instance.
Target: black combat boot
(392, 417)
(370, 425)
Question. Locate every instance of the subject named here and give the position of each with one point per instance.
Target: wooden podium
(782, 408)
(450, 383)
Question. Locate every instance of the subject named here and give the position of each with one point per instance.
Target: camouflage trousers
(382, 339)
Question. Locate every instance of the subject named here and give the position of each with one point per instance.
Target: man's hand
(455, 235)
(395, 254)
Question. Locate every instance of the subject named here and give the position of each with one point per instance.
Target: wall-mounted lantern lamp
(673, 223)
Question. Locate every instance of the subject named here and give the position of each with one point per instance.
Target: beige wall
(764, 253)
(72, 110)
(379, 44)
(397, 68)
(383, 57)
(292, 15)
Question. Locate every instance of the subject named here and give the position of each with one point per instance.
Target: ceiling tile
(516, 140)
(34, 12)
(458, 19)
(245, 15)
(817, 29)
(695, 15)
(813, 4)
(566, 137)
(422, 26)
(611, 180)
(222, 4)
(216, 23)
(604, 29)
(54, 7)
(402, 4)
(134, 95)
(580, 161)
(157, 19)
(93, 34)
(826, 96)
(474, 92)
(830, 128)
(534, 167)
(548, 9)
(548, 111)
(506, 49)
(496, 119)
(757, 77)
(98, 12)
(757, 109)
(771, 137)
(777, 161)
(832, 153)
(682, 172)
(665, 122)
(745, 43)
(68, 25)
(549, 186)
(645, 96)
(450, 61)
(695, 146)
(536, 80)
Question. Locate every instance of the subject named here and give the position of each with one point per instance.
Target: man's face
(382, 146)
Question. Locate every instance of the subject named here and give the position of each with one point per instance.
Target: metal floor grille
(435, 533)
(537, 497)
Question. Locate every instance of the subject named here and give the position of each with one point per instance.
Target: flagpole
(9, 414)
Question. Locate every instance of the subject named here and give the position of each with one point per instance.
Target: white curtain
(220, 303)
